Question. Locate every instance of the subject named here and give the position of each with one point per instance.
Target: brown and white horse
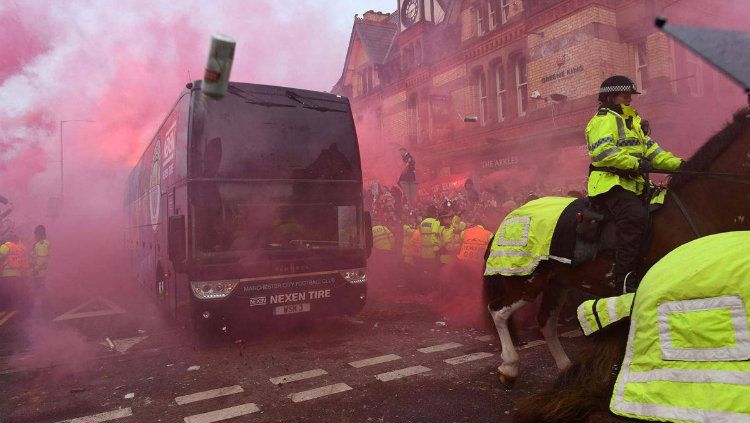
(711, 196)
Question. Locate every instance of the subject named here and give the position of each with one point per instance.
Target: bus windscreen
(273, 135)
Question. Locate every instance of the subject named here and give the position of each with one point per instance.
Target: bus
(251, 207)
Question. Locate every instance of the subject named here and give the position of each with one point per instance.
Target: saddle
(585, 231)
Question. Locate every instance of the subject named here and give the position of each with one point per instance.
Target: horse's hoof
(507, 381)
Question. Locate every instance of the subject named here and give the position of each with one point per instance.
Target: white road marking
(297, 376)
(76, 313)
(575, 333)
(102, 417)
(401, 373)
(374, 360)
(6, 317)
(122, 345)
(468, 357)
(223, 414)
(532, 344)
(213, 393)
(320, 392)
(441, 347)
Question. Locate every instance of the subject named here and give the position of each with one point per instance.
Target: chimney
(374, 16)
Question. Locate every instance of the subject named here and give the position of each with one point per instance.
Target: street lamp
(61, 148)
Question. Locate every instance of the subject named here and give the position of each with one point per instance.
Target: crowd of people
(22, 269)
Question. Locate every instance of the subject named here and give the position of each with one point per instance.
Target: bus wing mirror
(176, 240)
(368, 233)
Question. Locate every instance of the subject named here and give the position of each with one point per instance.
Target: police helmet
(615, 85)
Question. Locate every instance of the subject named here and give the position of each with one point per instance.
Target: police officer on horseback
(622, 153)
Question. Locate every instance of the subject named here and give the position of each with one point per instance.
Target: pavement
(108, 355)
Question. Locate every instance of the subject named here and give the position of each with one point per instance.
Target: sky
(123, 63)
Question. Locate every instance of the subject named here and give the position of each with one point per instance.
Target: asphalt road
(108, 356)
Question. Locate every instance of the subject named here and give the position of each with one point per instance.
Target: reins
(729, 177)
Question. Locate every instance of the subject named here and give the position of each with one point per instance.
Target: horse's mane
(715, 145)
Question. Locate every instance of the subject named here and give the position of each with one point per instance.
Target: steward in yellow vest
(474, 243)
(407, 248)
(382, 238)
(39, 256)
(15, 262)
(450, 237)
(621, 151)
(429, 231)
(688, 353)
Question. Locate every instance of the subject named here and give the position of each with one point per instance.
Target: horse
(709, 194)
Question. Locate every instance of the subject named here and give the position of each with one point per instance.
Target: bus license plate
(291, 309)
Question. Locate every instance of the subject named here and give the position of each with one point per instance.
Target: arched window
(501, 93)
(481, 89)
(522, 94)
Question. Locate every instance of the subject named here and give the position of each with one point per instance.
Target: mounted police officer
(622, 152)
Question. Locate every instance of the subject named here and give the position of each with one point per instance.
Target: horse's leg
(553, 299)
(508, 370)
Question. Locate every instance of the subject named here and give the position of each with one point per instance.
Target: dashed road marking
(571, 333)
(4, 317)
(441, 347)
(223, 414)
(297, 376)
(532, 344)
(102, 417)
(374, 360)
(213, 393)
(468, 357)
(320, 392)
(402, 373)
(485, 338)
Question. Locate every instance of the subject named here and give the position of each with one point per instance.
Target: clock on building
(409, 12)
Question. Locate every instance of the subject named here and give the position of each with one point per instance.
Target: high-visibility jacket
(525, 236)
(39, 258)
(412, 245)
(614, 143)
(688, 353)
(382, 238)
(474, 243)
(596, 314)
(430, 237)
(15, 260)
(450, 242)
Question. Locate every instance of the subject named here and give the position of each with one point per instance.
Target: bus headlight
(355, 275)
(204, 290)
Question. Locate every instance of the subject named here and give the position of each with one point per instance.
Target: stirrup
(633, 277)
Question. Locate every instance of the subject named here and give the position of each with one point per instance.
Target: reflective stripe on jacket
(688, 353)
(382, 238)
(430, 235)
(615, 144)
(596, 314)
(474, 243)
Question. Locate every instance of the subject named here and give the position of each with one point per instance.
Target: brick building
(529, 70)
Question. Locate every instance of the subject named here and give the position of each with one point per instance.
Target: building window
(500, 93)
(492, 14)
(481, 82)
(413, 119)
(504, 10)
(478, 18)
(418, 52)
(641, 66)
(694, 70)
(521, 86)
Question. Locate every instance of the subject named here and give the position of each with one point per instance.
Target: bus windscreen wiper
(252, 100)
(301, 100)
(311, 244)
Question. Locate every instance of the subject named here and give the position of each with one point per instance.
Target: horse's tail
(585, 387)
